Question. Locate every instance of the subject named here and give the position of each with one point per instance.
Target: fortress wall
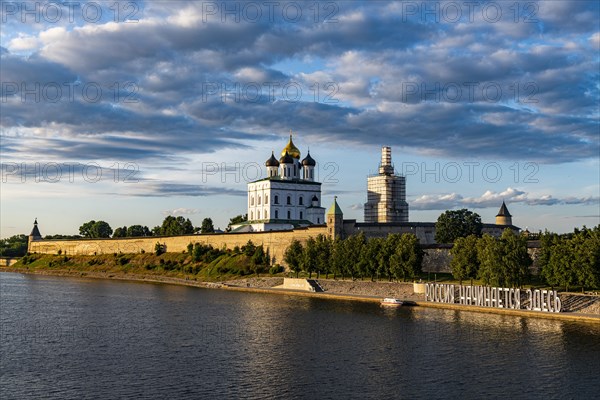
(276, 242)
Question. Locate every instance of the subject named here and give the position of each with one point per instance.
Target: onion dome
(291, 149)
(286, 159)
(272, 162)
(309, 161)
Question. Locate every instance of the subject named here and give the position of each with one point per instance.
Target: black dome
(272, 162)
(308, 160)
(286, 159)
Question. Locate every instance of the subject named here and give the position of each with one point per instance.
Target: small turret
(272, 166)
(286, 163)
(34, 236)
(335, 220)
(308, 168)
(503, 217)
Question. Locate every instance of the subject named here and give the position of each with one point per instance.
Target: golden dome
(291, 149)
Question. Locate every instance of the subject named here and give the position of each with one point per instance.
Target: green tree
(138, 231)
(387, 249)
(249, 248)
(238, 219)
(95, 229)
(120, 232)
(515, 259)
(309, 256)
(587, 257)
(324, 245)
(369, 257)
(489, 254)
(207, 226)
(353, 247)
(338, 258)
(258, 261)
(173, 226)
(160, 248)
(454, 224)
(293, 256)
(464, 263)
(14, 246)
(407, 260)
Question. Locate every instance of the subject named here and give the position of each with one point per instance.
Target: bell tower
(335, 221)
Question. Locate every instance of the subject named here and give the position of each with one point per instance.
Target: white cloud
(181, 211)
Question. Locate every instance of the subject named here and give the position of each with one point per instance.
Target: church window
(289, 215)
(266, 214)
(318, 220)
(295, 172)
(289, 200)
(300, 201)
(301, 215)
(266, 199)
(259, 200)
(276, 214)
(251, 215)
(252, 201)
(258, 214)
(276, 199)
(311, 174)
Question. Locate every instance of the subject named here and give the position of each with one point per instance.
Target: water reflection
(68, 338)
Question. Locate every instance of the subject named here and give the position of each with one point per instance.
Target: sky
(129, 111)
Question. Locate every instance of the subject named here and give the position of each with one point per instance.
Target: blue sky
(130, 111)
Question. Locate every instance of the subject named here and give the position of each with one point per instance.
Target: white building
(287, 198)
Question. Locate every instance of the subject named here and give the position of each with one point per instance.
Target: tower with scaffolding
(386, 193)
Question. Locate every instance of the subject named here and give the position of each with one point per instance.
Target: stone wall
(277, 242)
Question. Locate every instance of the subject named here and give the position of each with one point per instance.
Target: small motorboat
(388, 301)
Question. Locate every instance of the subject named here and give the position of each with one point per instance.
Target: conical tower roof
(503, 211)
(335, 208)
(35, 231)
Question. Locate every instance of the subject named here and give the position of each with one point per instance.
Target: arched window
(311, 174)
(276, 214)
(289, 200)
(266, 199)
(266, 214)
(301, 215)
(258, 199)
(289, 215)
(318, 220)
(252, 201)
(251, 215)
(276, 199)
(258, 214)
(300, 201)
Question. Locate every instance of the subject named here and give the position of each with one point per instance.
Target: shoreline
(563, 316)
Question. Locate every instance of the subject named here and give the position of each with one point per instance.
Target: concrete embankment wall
(8, 261)
(276, 242)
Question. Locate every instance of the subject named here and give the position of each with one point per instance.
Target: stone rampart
(275, 241)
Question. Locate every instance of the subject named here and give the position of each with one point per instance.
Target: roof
(309, 161)
(503, 211)
(35, 231)
(272, 162)
(335, 209)
(278, 179)
(286, 159)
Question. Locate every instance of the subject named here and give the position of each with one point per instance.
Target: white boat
(388, 301)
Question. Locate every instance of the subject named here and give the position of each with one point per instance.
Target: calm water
(75, 338)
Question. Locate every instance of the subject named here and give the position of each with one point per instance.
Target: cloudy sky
(128, 111)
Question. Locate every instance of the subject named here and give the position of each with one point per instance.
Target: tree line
(393, 257)
(171, 226)
(572, 259)
(502, 261)
(567, 260)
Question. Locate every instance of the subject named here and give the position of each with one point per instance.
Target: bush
(122, 260)
(276, 269)
(59, 252)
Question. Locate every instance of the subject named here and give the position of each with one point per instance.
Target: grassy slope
(176, 265)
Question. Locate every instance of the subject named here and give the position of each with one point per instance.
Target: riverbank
(576, 307)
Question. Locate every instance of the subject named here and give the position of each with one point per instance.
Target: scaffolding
(386, 193)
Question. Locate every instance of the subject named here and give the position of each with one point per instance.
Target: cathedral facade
(287, 198)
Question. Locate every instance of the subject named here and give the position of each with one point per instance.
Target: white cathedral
(287, 198)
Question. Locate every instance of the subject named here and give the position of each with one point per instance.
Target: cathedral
(287, 198)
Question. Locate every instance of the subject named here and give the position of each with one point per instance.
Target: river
(69, 338)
